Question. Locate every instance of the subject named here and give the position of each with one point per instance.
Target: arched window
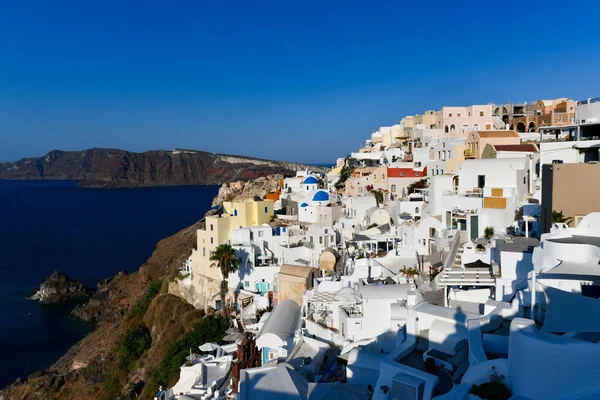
(476, 127)
(446, 129)
(416, 210)
(235, 213)
(452, 128)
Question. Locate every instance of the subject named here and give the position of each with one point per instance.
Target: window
(204, 252)
(332, 239)
(326, 231)
(444, 145)
(450, 114)
(306, 187)
(211, 227)
(481, 113)
(260, 233)
(488, 127)
(452, 128)
(246, 284)
(458, 115)
(211, 240)
(401, 173)
(524, 180)
(320, 239)
(235, 213)
(266, 209)
(446, 129)
(416, 210)
(469, 113)
(476, 127)
(417, 174)
(436, 172)
(311, 240)
(394, 188)
(218, 305)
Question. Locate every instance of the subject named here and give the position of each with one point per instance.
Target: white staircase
(498, 123)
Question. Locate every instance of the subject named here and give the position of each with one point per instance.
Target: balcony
(469, 153)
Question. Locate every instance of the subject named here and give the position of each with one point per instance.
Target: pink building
(477, 140)
(462, 120)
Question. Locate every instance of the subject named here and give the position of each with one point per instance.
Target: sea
(89, 234)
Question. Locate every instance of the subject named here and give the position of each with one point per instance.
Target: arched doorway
(452, 128)
(532, 126)
(446, 129)
(520, 127)
(455, 182)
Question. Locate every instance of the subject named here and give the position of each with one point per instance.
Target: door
(481, 181)
(474, 227)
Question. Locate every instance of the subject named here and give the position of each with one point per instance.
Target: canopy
(570, 312)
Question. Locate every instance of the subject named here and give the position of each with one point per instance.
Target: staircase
(498, 123)
(458, 259)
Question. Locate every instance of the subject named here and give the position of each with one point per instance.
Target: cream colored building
(236, 214)
(431, 119)
(292, 281)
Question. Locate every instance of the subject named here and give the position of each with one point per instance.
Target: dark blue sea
(90, 234)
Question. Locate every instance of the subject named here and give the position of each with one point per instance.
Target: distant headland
(115, 168)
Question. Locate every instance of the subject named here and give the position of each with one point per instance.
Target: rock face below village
(58, 288)
(113, 168)
(247, 189)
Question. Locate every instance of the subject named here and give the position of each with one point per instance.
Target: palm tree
(224, 258)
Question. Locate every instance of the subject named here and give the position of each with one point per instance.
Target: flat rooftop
(517, 244)
(578, 239)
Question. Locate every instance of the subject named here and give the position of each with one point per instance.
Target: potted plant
(488, 232)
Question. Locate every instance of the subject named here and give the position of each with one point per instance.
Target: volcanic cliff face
(112, 168)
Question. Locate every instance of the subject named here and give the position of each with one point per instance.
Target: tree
(378, 196)
(224, 258)
(559, 217)
(346, 172)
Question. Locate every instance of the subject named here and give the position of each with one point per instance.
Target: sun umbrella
(209, 347)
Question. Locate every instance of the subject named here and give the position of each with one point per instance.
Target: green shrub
(494, 389)
(141, 306)
(111, 386)
(210, 329)
(132, 346)
(489, 232)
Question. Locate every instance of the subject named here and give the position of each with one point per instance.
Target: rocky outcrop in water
(113, 168)
(58, 288)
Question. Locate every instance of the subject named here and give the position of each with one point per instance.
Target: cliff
(90, 369)
(113, 168)
(139, 303)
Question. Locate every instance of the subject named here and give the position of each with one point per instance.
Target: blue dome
(303, 205)
(321, 195)
(311, 180)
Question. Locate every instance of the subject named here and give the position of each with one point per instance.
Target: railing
(469, 153)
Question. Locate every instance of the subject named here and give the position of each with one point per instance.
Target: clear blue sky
(293, 80)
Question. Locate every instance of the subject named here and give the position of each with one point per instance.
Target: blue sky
(291, 80)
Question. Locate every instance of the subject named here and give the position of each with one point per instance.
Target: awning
(477, 264)
(570, 312)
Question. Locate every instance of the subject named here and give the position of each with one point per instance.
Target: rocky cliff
(247, 189)
(112, 168)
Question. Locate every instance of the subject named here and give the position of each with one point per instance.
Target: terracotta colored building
(570, 188)
(477, 140)
(292, 281)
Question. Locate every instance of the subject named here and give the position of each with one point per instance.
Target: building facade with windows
(461, 120)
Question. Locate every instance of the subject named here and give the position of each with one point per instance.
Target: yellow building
(237, 214)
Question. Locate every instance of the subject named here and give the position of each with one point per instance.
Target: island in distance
(114, 168)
